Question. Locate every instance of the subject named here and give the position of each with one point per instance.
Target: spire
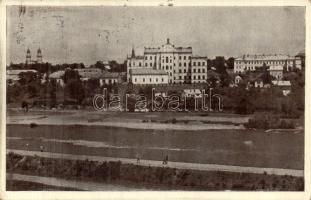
(39, 56)
(28, 56)
(167, 41)
(133, 53)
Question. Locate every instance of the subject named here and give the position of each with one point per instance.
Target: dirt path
(177, 165)
(80, 185)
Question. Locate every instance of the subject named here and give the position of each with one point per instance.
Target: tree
(74, 89)
(27, 77)
(219, 64)
(71, 75)
(230, 63)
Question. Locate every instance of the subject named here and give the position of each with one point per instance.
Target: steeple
(28, 57)
(167, 41)
(133, 53)
(39, 56)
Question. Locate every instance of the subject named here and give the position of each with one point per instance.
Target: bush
(269, 121)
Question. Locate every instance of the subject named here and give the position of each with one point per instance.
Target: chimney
(167, 41)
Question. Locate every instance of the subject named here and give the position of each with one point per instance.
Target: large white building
(251, 62)
(177, 62)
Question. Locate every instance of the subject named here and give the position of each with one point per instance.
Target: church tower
(28, 57)
(39, 56)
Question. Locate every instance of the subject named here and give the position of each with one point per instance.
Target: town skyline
(117, 33)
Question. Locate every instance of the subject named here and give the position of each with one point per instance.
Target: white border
(154, 195)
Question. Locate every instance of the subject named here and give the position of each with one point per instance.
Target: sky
(88, 34)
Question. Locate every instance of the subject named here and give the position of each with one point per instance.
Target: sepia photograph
(155, 98)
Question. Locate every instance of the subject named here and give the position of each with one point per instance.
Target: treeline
(152, 177)
(114, 66)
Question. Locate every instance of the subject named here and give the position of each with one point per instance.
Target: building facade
(276, 71)
(176, 62)
(251, 62)
(148, 77)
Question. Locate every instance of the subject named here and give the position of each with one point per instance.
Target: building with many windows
(251, 62)
(146, 76)
(177, 62)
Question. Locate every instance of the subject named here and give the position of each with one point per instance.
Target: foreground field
(57, 171)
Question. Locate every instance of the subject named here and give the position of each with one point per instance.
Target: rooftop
(148, 71)
(265, 57)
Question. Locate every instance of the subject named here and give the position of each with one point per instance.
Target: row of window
(261, 62)
(150, 80)
(180, 64)
(166, 58)
(199, 77)
(189, 77)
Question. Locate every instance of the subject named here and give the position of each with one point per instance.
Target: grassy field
(257, 148)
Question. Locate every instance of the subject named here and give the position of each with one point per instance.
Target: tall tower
(133, 53)
(39, 56)
(28, 57)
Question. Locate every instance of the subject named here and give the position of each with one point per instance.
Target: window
(150, 57)
(146, 57)
(143, 79)
(203, 77)
(199, 77)
(185, 71)
(171, 67)
(170, 73)
(194, 63)
(179, 57)
(166, 67)
(174, 71)
(150, 64)
(185, 64)
(156, 79)
(180, 71)
(135, 80)
(166, 59)
(199, 63)
(194, 70)
(146, 64)
(199, 71)
(174, 78)
(189, 57)
(179, 64)
(203, 63)
(203, 70)
(179, 77)
(194, 77)
(170, 61)
(139, 64)
(185, 77)
(162, 80)
(150, 80)
(185, 58)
